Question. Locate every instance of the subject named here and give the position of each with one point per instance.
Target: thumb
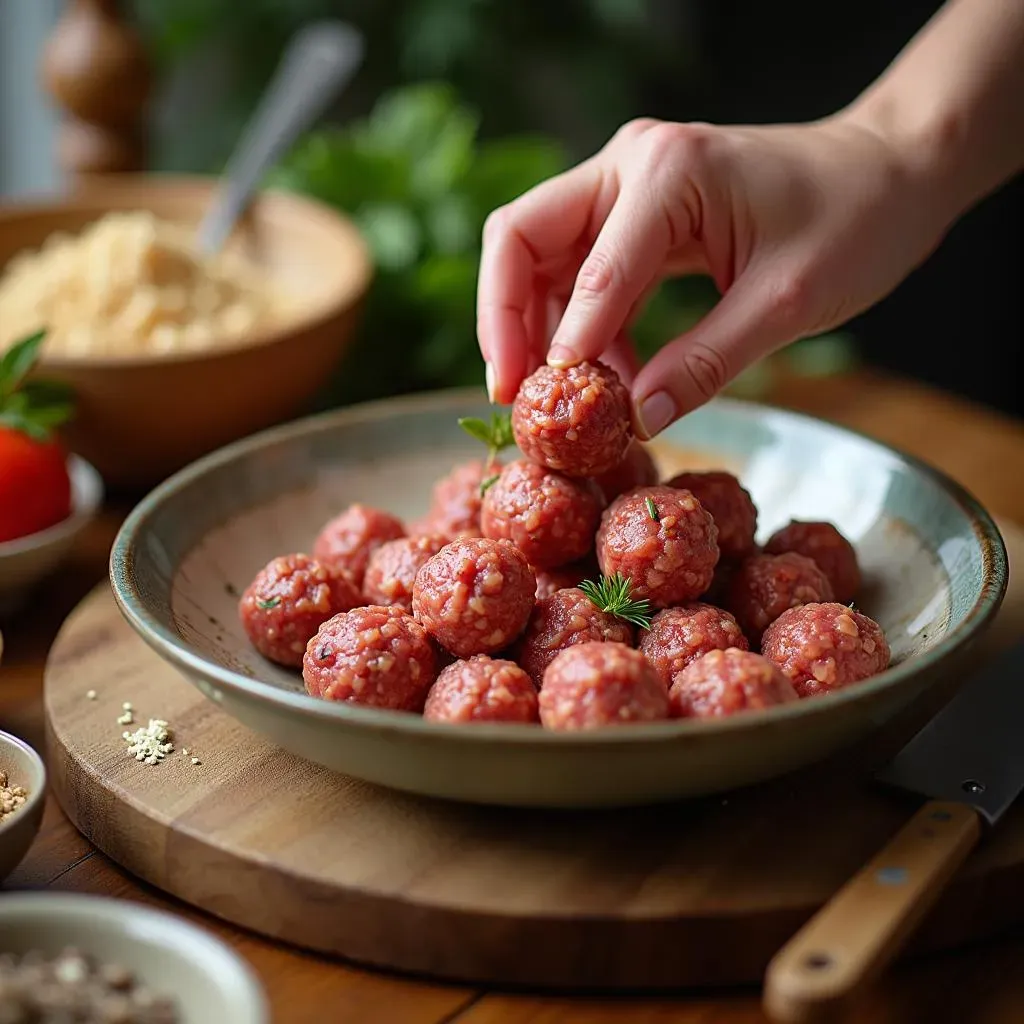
(756, 316)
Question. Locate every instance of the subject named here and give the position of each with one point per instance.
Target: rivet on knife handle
(862, 928)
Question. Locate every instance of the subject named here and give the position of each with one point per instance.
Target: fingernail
(489, 381)
(561, 356)
(655, 413)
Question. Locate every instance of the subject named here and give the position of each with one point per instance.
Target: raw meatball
(724, 682)
(482, 689)
(373, 655)
(670, 556)
(637, 469)
(475, 595)
(766, 585)
(549, 517)
(730, 506)
(565, 618)
(392, 568)
(550, 580)
(823, 647)
(679, 636)
(576, 421)
(349, 539)
(596, 684)
(286, 602)
(825, 545)
(455, 500)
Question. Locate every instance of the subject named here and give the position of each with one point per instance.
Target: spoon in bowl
(319, 60)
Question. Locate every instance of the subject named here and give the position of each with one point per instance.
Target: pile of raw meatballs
(569, 587)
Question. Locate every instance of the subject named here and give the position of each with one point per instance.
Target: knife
(968, 765)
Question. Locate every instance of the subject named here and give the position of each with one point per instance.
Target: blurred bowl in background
(28, 561)
(24, 767)
(142, 416)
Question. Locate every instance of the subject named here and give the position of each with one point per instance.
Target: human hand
(800, 227)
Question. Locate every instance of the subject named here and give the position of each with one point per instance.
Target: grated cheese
(151, 743)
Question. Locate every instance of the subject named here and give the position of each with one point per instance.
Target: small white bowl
(24, 767)
(27, 561)
(169, 955)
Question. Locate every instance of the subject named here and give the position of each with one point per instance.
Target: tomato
(35, 489)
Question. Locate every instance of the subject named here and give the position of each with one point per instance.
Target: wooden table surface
(983, 450)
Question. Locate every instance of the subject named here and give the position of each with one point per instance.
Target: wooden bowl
(141, 418)
(935, 571)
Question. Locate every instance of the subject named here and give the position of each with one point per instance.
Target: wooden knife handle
(861, 929)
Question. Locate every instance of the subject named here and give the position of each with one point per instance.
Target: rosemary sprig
(613, 594)
(497, 434)
(652, 509)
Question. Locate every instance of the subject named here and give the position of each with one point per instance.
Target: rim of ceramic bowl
(86, 498)
(355, 291)
(173, 649)
(38, 786)
(228, 971)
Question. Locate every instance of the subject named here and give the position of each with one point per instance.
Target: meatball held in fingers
(551, 518)
(374, 655)
(475, 595)
(824, 647)
(723, 683)
(286, 603)
(575, 421)
(663, 541)
(598, 684)
(348, 540)
(482, 689)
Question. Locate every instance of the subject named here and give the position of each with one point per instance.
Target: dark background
(569, 72)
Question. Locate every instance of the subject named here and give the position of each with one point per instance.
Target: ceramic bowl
(24, 767)
(27, 561)
(139, 418)
(934, 564)
(171, 956)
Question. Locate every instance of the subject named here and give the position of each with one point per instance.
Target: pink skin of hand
(801, 227)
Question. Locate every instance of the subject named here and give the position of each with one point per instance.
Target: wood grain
(700, 893)
(979, 985)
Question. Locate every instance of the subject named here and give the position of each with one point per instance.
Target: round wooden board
(699, 893)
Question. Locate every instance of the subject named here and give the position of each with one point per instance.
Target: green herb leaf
(652, 509)
(486, 485)
(267, 605)
(613, 594)
(497, 434)
(17, 361)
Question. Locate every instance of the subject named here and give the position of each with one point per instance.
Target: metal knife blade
(972, 751)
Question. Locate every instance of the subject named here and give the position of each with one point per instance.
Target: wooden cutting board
(697, 893)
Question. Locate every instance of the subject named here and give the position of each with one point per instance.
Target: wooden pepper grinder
(95, 67)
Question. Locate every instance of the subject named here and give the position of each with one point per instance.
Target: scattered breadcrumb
(150, 744)
(195, 760)
(127, 707)
(184, 750)
(125, 719)
(90, 695)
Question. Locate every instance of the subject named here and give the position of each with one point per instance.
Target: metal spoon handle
(318, 61)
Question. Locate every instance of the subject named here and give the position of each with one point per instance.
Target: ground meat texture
(723, 683)
(475, 595)
(575, 421)
(550, 580)
(764, 586)
(825, 545)
(482, 689)
(375, 655)
(565, 618)
(595, 684)
(669, 556)
(679, 636)
(348, 540)
(392, 569)
(456, 499)
(823, 647)
(286, 603)
(551, 518)
(637, 469)
(730, 506)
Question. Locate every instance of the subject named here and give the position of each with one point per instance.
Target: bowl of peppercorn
(107, 960)
(22, 796)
